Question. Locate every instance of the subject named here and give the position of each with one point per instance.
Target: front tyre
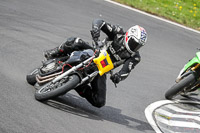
(181, 86)
(51, 90)
(31, 78)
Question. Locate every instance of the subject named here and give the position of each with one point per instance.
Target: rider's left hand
(95, 32)
(116, 78)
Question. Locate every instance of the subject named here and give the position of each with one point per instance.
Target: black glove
(116, 78)
(95, 32)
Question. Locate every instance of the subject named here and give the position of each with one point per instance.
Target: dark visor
(133, 45)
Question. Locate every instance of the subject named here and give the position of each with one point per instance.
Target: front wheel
(181, 86)
(51, 90)
(31, 78)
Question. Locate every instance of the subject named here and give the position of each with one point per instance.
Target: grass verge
(185, 12)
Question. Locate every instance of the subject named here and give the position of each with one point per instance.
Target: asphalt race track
(28, 27)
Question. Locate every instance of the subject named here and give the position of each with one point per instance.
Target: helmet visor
(133, 45)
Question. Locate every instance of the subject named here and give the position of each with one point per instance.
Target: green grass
(186, 12)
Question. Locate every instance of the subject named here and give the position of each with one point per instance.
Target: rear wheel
(51, 90)
(181, 86)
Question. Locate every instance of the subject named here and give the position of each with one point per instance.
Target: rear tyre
(180, 87)
(51, 90)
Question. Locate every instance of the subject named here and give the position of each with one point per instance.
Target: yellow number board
(103, 62)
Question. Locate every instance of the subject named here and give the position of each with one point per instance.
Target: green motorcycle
(188, 79)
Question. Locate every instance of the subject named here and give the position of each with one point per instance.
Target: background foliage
(186, 12)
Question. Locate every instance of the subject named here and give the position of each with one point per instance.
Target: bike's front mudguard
(190, 64)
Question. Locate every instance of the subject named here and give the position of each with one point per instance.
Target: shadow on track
(78, 106)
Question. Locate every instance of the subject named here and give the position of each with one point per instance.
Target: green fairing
(195, 60)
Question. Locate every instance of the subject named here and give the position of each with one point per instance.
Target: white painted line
(147, 14)
(168, 114)
(187, 102)
(164, 112)
(149, 111)
(178, 123)
(154, 108)
(181, 110)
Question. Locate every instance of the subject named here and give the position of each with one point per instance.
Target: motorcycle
(58, 76)
(188, 79)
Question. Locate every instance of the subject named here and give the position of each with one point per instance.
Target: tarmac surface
(28, 27)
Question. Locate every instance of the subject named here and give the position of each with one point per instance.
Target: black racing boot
(53, 53)
(84, 91)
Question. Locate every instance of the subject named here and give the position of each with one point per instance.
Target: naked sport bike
(188, 79)
(57, 76)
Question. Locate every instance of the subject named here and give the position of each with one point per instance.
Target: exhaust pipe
(47, 78)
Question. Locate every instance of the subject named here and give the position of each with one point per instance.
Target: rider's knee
(67, 46)
(70, 41)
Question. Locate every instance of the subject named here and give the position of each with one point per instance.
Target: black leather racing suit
(96, 94)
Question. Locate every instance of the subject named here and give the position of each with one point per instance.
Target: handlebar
(97, 44)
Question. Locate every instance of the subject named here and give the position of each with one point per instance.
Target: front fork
(181, 75)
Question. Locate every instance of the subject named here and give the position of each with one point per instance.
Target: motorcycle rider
(123, 50)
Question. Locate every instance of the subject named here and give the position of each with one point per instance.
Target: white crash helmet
(135, 38)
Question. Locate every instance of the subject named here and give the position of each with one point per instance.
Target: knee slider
(68, 45)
